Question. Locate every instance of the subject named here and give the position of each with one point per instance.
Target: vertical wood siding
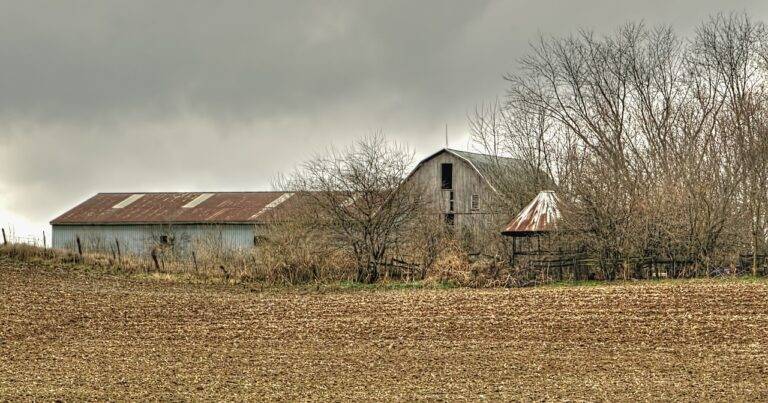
(466, 182)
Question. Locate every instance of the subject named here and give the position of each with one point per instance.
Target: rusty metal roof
(174, 208)
(540, 215)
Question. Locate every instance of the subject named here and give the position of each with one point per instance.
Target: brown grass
(275, 263)
(74, 335)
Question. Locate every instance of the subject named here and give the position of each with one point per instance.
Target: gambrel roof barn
(461, 185)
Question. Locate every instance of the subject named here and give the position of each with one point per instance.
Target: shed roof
(175, 208)
(540, 215)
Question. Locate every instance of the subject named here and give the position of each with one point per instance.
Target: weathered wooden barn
(135, 223)
(460, 186)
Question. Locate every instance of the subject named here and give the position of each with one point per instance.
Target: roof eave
(106, 223)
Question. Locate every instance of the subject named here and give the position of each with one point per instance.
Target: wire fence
(8, 236)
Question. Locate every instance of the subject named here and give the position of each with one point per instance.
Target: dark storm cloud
(108, 95)
(223, 58)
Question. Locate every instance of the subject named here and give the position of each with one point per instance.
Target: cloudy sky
(100, 96)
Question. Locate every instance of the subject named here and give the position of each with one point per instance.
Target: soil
(73, 336)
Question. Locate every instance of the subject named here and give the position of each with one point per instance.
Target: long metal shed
(137, 222)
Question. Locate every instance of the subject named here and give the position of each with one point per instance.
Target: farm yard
(67, 333)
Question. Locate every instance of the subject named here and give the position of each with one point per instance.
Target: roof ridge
(196, 191)
(482, 154)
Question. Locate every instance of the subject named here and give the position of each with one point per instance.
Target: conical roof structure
(540, 215)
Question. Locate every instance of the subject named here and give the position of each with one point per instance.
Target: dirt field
(77, 336)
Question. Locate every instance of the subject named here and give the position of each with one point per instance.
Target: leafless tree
(357, 198)
(657, 142)
(733, 49)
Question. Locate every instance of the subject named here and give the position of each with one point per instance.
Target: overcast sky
(100, 96)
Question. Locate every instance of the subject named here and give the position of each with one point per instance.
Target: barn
(135, 223)
(459, 185)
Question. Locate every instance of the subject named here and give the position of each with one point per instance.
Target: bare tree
(358, 199)
(732, 49)
(658, 143)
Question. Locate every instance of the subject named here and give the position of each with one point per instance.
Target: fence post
(119, 258)
(154, 259)
(575, 269)
(5, 240)
(194, 260)
(44, 241)
(79, 247)
(512, 258)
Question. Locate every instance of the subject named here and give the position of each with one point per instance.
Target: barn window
(446, 176)
(475, 202)
(450, 219)
(450, 201)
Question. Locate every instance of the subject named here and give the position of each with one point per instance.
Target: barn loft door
(446, 176)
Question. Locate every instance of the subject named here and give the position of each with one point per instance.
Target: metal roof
(486, 163)
(540, 215)
(174, 208)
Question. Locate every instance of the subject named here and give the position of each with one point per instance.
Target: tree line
(656, 143)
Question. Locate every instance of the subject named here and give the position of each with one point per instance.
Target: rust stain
(222, 207)
(540, 215)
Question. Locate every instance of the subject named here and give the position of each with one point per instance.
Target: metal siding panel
(138, 239)
(133, 239)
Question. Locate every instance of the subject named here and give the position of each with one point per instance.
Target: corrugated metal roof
(221, 208)
(540, 215)
(488, 164)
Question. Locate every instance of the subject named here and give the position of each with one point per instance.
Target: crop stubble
(75, 336)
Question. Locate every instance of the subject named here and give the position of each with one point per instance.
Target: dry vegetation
(69, 332)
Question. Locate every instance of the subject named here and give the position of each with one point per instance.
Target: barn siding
(140, 239)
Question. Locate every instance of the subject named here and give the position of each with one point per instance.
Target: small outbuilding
(534, 226)
(540, 216)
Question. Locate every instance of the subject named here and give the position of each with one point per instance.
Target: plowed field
(78, 336)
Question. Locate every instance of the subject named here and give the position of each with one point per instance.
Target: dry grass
(276, 263)
(74, 335)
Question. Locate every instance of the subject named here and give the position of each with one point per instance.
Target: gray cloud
(123, 96)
